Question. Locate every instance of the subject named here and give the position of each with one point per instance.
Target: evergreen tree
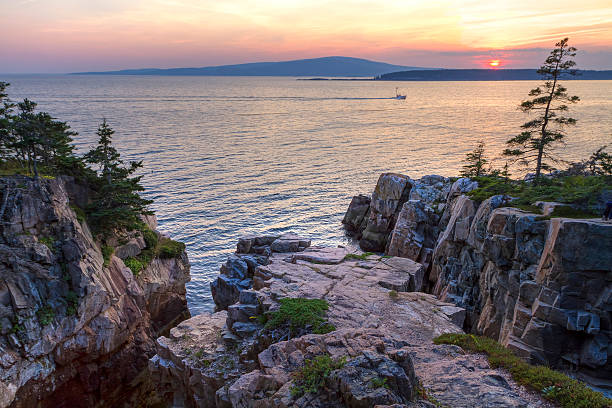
(37, 139)
(533, 146)
(117, 203)
(6, 109)
(105, 156)
(475, 162)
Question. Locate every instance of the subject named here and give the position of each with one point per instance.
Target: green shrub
(569, 212)
(45, 315)
(314, 374)
(566, 391)
(582, 191)
(300, 313)
(79, 212)
(72, 303)
(393, 294)
(529, 208)
(107, 252)
(170, 249)
(379, 382)
(150, 238)
(135, 265)
(48, 241)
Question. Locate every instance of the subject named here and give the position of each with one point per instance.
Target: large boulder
(251, 252)
(391, 192)
(356, 218)
(415, 232)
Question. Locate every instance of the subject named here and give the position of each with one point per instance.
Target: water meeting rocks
(383, 328)
(74, 331)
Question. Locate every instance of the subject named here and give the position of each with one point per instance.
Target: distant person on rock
(608, 211)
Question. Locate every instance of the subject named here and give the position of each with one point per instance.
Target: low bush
(581, 191)
(135, 265)
(569, 212)
(48, 241)
(312, 377)
(300, 314)
(379, 382)
(107, 252)
(170, 249)
(79, 212)
(45, 315)
(150, 238)
(72, 303)
(553, 385)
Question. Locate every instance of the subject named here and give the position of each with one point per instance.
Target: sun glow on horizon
(76, 35)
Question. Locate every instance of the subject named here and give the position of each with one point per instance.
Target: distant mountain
(483, 75)
(324, 67)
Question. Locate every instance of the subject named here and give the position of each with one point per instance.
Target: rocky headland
(77, 326)
(540, 285)
(300, 325)
(437, 262)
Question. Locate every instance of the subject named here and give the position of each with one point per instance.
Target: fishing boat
(398, 96)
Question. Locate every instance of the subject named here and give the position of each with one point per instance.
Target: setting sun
(494, 63)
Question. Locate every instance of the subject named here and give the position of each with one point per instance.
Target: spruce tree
(117, 203)
(6, 110)
(533, 146)
(475, 162)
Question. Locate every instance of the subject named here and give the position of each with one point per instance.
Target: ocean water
(226, 157)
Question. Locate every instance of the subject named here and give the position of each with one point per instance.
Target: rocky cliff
(381, 331)
(77, 326)
(541, 286)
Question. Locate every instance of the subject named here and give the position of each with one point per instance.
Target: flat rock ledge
(384, 330)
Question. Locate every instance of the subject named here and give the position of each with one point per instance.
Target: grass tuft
(379, 382)
(312, 377)
(170, 249)
(48, 241)
(45, 315)
(361, 257)
(553, 385)
(135, 265)
(300, 314)
(107, 253)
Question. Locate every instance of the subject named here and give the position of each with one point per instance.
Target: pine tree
(6, 110)
(105, 155)
(533, 146)
(117, 203)
(475, 162)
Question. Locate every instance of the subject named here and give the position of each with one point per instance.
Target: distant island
(482, 75)
(322, 67)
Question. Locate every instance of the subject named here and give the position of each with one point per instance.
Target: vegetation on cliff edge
(312, 377)
(299, 315)
(553, 385)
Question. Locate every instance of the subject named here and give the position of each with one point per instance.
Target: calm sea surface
(225, 157)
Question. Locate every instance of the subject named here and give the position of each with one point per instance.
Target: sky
(56, 36)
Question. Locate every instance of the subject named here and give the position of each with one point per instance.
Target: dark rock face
(73, 332)
(356, 218)
(391, 192)
(251, 252)
(540, 287)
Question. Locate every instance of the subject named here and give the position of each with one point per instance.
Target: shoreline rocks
(539, 286)
(381, 326)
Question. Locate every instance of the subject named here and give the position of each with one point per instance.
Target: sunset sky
(78, 35)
